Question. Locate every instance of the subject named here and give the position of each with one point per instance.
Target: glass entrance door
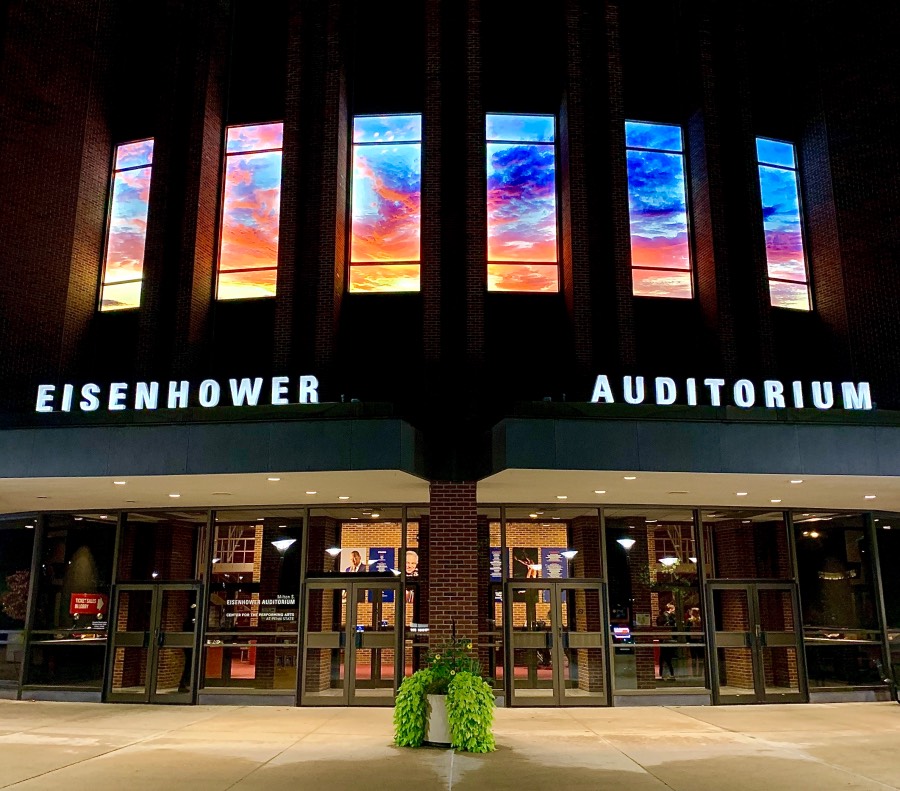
(351, 648)
(756, 643)
(556, 632)
(153, 647)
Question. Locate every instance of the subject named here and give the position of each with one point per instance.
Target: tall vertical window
(521, 203)
(127, 227)
(386, 203)
(779, 189)
(248, 251)
(657, 205)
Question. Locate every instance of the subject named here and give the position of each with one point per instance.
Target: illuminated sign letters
(119, 396)
(742, 393)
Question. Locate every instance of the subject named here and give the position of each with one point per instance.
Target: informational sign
(381, 559)
(278, 609)
(553, 566)
(496, 565)
(89, 604)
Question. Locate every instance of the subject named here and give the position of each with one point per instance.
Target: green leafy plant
(470, 709)
(451, 658)
(451, 671)
(410, 710)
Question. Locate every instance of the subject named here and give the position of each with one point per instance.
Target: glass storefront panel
(160, 546)
(16, 546)
(253, 603)
(655, 607)
(837, 593)
(68, 644)
(746, 545)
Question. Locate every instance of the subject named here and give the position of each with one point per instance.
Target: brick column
(453, 561)
(180, 249)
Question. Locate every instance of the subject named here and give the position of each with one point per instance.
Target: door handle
(358, 640)
(160, 637)
(550, 639)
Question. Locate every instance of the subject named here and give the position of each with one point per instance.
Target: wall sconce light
(627, 543)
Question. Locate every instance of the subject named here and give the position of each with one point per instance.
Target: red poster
(89, 604)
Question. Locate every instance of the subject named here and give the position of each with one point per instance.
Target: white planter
(437, 726)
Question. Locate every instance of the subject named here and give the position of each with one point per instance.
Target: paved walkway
(73, 746)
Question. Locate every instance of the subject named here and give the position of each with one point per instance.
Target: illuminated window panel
(126, 234)
(657, 207)
(386, 203)
(248, 248)
(521, 203)
(779, 189)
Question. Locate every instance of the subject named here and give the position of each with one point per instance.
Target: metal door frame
(756, 641)
(554, 640)
(152, 644)
(351, 643)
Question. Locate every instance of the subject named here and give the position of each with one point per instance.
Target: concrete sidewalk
(73, 746)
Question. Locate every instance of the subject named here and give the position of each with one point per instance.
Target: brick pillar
(453, 561)
(180, 248)
(321, 534)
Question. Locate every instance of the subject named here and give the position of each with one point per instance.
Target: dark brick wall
(809, 73)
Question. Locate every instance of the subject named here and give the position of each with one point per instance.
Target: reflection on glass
(251, 206)
(840, 622)
(521, 203)
(657, 205)
(747, 545)
(127, 229)
(253, 610)
(386, 203)
(68, 644)
(783, 228)
(655, 606)
(16, 541)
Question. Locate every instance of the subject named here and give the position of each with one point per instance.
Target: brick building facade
(595, 551)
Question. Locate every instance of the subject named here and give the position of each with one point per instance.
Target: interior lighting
(343, 497)
(568, 554)
(798, 480)
(693, 560)
(375, 516)
(599, 491)
(651, 521)
(283, 544)
(814, 533)
(273, 479)
(216, 560)
(774, 501)
(333, 551)
(869, 497)
(627, 543)
(103, 516)
(155, 574)
(535, 566)
(533, 516)
(312, 492)
(562, 497)
(740, 494)
(174, 494)
(883, 527)
(31, 527)
(120, 483)
(669, 561)
(630, 477)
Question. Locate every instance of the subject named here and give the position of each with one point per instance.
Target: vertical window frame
(107, 236)
(801, 217)
(685, 164)
(217, 270)
(557, 225)
(351, 168)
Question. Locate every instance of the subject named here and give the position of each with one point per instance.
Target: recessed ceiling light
(745, 521)
(805, 514)
(885, 527)
(775, 501)
(312, 492)
(797, 480)
(599, 491)
(651, 521)
(120, 483)
(630, 477)
(343, 497)
(103, 516)
(30, 527)
(562, 497)
(174, 494)
(533, 516)
(273, 479)
(375, 516)
(869, 496)
(740, 494)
